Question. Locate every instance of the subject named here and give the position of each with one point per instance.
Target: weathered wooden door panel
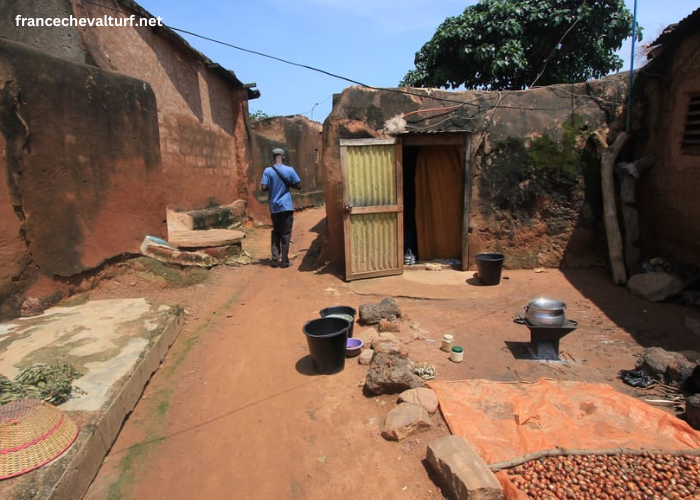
(373, 203)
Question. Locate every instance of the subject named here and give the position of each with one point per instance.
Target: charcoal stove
(544, 340)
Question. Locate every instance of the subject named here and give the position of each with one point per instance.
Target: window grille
(690, 143)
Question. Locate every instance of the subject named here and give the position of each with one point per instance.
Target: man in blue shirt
(277, 180)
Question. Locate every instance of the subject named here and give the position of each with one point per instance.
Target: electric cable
(423, 93)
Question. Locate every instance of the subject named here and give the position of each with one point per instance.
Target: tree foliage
(257, 115)
(511, 44)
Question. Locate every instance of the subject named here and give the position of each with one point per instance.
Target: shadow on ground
(651, 324)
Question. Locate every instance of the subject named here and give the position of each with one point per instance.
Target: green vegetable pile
(52, 383)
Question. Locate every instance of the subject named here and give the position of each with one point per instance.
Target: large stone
(656, 361)
(367, 336)
(390, 346)
(692, 411)
(404, 420)
(461, 472)
(655, 287)
(390, 374)
(693, 324)
(427, 398)
(365, 357)
(389, 326)
(205, 239)
(31, 307)
(371, 314)
(680, 370)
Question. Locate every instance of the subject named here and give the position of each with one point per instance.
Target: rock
(427, 398)
(695, 377)
(655, 286)
(692, 411)
(429, 266)
(690, 297)
(404, 420)
(679, 371)
(31, 307)
(461, 472)
(390, 346)
(390, 374)
(205, 238)
(656, 362)
(367, 337)
(365, 357)
(389, 326)
(370, 314)
(693, 324)
(388, 336)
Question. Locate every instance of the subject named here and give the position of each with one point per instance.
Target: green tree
(512, 44)
(257, 115)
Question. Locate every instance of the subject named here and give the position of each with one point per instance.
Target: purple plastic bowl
(353, 347)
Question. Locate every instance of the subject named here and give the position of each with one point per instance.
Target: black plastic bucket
(340, 311)
(489, 266)
(326, 338)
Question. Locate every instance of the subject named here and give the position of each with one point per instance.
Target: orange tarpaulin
(508, 420)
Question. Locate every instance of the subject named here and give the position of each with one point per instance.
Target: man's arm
(264, 187)
(297, 185)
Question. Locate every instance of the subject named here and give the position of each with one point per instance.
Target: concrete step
(220, 217)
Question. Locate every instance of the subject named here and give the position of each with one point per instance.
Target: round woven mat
(32, 433)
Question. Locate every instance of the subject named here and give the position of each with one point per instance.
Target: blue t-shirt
(280, 197)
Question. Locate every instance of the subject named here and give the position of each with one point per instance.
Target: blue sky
(370, 41)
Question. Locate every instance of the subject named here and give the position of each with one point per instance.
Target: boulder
(367, 336)
(693, 324)
(461, 472)
(365, 357)
(390, 346)
(427, 398)
(390, 374)
(692, 411)
(389, 326)
(404, 420)
(371, 314)
(655, 286)
(668, 367)
(31, 307)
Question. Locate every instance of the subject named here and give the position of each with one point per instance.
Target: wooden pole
(628, 174)
(612, 228)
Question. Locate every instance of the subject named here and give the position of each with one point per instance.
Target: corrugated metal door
(373, 207)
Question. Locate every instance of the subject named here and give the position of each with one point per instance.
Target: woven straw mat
(32, 433)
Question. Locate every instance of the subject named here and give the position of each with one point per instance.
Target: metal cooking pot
(545, 312)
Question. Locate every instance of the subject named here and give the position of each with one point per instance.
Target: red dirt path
(236, 412)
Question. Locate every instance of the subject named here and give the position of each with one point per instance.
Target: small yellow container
(447, 341)
(457, 354)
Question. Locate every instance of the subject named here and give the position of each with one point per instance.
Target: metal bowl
(545, 312)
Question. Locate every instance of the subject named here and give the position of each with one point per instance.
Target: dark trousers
(281, 235)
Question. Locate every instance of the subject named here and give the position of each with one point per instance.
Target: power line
(481, 107)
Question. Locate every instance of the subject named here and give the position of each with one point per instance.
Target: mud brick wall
(668, 193)
(535, 186)
(301, 140)
(80, 166)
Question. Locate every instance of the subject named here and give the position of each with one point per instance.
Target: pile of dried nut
(613, 477)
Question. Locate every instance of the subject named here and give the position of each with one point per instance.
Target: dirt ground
(237, 411)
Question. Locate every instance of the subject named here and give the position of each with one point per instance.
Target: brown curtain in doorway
(439, 200)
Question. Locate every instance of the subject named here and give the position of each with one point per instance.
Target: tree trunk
(628, 174)
(612, 228)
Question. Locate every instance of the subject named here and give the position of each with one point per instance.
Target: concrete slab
(117, 345)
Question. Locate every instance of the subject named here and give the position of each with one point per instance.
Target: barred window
(690, 144)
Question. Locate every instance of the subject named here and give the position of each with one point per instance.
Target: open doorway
(433, 193)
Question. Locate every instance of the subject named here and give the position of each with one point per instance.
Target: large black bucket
(489, 266)
(340, 312)
(326, 338)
